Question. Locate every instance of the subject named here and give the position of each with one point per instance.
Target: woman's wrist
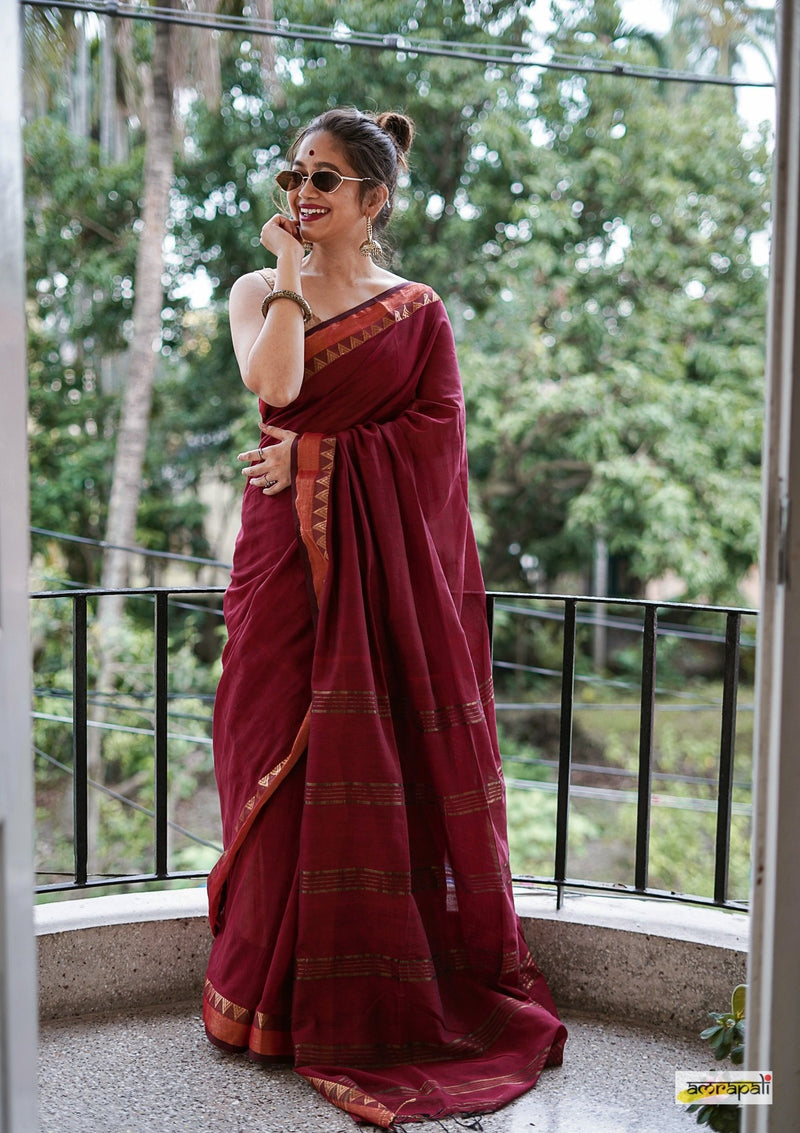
(287, 276)
(285, 293)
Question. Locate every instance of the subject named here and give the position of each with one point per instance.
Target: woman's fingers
(269, 470)
(279, 434)
(279, 235)
(269, 466)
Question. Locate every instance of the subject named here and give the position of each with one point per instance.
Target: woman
(362, 910)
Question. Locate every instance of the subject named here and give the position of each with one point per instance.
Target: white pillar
(773, 1008)
(18, 1091)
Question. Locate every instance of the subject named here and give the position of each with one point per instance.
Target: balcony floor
(154, 1072)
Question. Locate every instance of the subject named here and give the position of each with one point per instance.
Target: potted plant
(726, 1039)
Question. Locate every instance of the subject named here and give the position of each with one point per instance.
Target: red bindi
(311, 153)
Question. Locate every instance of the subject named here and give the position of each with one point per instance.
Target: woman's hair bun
(399, 128)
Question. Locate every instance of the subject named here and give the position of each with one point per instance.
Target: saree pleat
(363, 916)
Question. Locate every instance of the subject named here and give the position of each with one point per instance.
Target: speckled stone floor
(154, 1072)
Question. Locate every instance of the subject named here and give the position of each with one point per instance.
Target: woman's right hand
(281, 236)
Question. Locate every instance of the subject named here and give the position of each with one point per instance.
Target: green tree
(601, 281)
(616, 393)
(710, 35)
(81, 238)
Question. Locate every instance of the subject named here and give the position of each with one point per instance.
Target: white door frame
(18, 1009)
(773, 1007)
(773, 1014)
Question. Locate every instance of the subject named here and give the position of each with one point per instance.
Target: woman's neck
(345, 267)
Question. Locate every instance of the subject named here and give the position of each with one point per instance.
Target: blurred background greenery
(600, 243)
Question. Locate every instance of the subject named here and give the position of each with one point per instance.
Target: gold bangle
(308, 314)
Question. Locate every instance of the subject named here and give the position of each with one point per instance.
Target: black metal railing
(651, 630)
(161, 872)
(565, 613)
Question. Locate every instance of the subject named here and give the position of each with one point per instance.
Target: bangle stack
(295, 298)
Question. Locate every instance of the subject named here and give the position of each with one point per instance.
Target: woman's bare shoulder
(251, 287)
(255, 280)
(391, 279)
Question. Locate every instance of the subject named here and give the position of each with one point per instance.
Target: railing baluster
(730, 688)
(646, 728)
(565, 745)
(161, 676)
(490, 622)
(80, 779)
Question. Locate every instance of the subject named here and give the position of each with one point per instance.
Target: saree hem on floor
(362, 910)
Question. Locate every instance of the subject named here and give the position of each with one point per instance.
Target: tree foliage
(616, 388)
(595, 240)
(595, 249)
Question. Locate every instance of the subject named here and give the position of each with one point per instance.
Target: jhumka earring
(370, 246)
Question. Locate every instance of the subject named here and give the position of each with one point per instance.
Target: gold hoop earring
(370, 246)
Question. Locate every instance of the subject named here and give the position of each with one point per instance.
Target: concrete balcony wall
(653, 962)
(647, 961)
(100, 954)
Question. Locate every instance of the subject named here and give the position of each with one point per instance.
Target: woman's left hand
(272, 471)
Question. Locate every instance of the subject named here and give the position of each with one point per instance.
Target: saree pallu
(362, 910)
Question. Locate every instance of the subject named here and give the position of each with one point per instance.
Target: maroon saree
(362, 910)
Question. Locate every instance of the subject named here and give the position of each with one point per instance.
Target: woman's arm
(270, 350)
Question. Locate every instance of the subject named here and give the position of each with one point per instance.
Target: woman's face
(328, 217)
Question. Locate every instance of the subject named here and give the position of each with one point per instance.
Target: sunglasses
(326, 180)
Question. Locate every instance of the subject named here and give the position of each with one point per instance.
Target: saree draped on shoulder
(363, 920)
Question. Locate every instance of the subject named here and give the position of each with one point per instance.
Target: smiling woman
(362, 910)
(338, 189)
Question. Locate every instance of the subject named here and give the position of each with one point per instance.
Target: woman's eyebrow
(317, 165)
